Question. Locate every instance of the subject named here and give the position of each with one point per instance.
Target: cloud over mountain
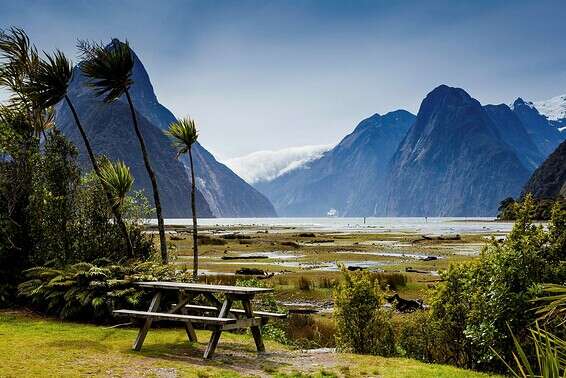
(268, 165)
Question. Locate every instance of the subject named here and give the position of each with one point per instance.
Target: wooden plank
(215, 337)
(243, 323)
(174, 317)
(204, 288)
(153, 306)
(256, 333)
(237, 311)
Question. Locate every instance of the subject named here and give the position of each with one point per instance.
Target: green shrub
(478, 303)
(91, 292)
(415, 336)
(362, 325)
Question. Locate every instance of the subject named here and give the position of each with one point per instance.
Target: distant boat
(332, 213)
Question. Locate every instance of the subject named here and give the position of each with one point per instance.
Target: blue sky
(260, 75)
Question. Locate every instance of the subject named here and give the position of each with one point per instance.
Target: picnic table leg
(188, 325)
(153, 307)
(218, 331)
(256, 333)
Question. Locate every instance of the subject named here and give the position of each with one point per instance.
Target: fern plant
(91, 292)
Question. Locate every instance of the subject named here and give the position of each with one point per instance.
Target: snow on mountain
(554, 109)
(268, 165)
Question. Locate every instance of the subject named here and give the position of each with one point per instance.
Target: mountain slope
(221, 192)
(452, 162)
(110, 131)
(549, 180)
(226, 193)
(512, 131)
(545, 136)
(344, 177)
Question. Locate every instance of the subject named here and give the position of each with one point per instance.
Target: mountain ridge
(343, 178)
(224, 193)
(445, 164)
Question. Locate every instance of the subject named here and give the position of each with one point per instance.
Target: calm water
(328, 224)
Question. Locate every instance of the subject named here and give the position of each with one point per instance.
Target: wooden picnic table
(223, 317)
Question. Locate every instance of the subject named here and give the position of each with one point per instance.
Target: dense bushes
(91, 292)
(477, 308)
(56, 217)
(362, 325)
(542, 208)
(481, 302)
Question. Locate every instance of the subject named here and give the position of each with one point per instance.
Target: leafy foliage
(478, 301)
(118, 179)
(542, 210)
(362, 325)
(91, 291)
(184, 134)
(550, 356)
(109, 69)
(48, 82)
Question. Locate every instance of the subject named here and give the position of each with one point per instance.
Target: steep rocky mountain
(453, 162)
(511, 130)
(110, 131)
(345, 177)
(221, 192)
(544, 134)
(549, 180)
(226, 193)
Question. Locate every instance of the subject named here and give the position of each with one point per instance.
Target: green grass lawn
(36, 346)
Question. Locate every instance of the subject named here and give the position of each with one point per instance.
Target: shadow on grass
(78, 344)
(228, 354)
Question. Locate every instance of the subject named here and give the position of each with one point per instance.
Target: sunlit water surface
(370, 225)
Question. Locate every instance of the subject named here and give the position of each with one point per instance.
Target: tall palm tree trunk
(194, 211)
(160, 223)
(115, 209)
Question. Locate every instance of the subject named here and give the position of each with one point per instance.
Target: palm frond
(550, 356)
(118, 179)
(48, 83)
(553, 304)
(109, 69)
(183, 133)
(18, 58)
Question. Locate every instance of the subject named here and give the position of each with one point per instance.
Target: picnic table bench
(221, 316)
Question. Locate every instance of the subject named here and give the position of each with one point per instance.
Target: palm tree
(184, 134)
(110, 73)
(118, 180)
(47, 86)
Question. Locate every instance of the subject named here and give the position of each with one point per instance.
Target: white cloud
(554, 108)
(268, 165)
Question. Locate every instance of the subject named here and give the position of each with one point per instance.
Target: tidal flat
(302, 260)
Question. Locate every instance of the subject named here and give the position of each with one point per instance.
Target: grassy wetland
(304, 265)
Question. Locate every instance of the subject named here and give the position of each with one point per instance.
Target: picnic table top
(204, 288)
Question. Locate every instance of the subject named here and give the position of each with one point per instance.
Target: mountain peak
(443, 94)
(519, 102)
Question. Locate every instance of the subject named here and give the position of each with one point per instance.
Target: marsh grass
(308, 331)
(303, 284)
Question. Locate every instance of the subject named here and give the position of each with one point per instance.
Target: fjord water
(437, 225)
